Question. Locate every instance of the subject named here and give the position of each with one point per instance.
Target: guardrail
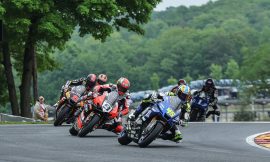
(13, 118)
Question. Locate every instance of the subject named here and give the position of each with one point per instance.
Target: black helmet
(209, 83)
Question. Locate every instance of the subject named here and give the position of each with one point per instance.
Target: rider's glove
(170, 94)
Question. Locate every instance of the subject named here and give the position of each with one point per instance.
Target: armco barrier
(13, 118)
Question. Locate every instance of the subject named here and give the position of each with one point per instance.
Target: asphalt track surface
(202, 142)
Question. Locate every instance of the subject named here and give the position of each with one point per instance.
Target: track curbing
(251, 140)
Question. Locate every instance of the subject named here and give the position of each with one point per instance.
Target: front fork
(135, 128)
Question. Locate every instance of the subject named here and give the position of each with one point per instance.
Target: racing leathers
(177, 104)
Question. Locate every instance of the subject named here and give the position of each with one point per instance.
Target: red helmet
(102, 79)
(182, 82)
(91, 81)
(123, 85)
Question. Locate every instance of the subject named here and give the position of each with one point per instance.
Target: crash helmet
(91, 81)
(183, 92)
(102, 79)
(181, 82)
(123, 85)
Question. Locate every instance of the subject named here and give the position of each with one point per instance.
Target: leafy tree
(155, 81)
(232, 70)
(188, 78)
(172, 80)
(216, 71)
(255, 68)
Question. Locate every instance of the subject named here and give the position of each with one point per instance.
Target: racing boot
(177, 136)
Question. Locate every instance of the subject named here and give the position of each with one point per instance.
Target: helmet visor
(100, 82)
(122, 90)
(90, 83)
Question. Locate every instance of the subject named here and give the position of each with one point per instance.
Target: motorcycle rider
(89, 82)
(122, 87)
(173, 93)
(210, 91)
(180, 82)
(183, 93)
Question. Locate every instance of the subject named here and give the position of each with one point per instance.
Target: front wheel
(123, 138)
(194, 115)
(61, 116)
(88, 127)
(73, 131)
(151, 135)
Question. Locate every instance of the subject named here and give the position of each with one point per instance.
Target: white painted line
(250, 140)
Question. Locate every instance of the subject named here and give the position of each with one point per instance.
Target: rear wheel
(61, 116)
(151, 134)
(123, 138)
(88, 127)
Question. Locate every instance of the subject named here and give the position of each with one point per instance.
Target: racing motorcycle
(152, 123)
(65, 113)
(96, 113)
(199, 107)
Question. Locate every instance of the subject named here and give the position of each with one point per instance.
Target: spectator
(40, 111)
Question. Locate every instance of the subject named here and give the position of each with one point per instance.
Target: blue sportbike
(199, 107)
(153, 122)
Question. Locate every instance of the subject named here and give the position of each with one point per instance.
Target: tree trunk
(35, 81)
(25, 88)
(10, 79)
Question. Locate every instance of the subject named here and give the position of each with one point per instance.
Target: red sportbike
(96, 113)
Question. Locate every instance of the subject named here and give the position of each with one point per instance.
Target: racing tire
(151, 135)
(73, 131)
(194, 115)
(61, 116)
(123, 138)
(89, 126)
(201, 117)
